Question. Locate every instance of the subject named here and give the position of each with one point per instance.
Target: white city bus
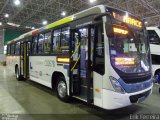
(154, 39)
(100, 55)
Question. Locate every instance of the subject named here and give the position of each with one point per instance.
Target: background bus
(154, 39)
(100, 55)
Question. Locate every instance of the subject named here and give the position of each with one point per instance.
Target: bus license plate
(141, 99)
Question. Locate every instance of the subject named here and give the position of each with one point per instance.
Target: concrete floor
(33, 101)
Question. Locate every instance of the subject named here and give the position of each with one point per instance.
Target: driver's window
(99, 51)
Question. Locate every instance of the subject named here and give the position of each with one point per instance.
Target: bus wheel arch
(54, 79)
(58, 80)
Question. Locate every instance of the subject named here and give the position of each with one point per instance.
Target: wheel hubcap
(62, 91)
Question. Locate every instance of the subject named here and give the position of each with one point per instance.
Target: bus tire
(61, 89)
(18, 76)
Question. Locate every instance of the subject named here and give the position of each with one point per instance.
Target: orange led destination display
(124, 61)
(127, 19)
(120, 31)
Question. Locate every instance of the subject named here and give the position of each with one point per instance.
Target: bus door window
(84, 49)
(92, 45)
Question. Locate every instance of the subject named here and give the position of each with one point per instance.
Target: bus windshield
(129, 49)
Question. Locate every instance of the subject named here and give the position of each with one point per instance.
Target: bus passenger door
(23, 60)
(81, 78)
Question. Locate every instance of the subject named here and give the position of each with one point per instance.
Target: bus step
(76, 87)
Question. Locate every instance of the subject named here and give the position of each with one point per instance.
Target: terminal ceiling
(32, 12)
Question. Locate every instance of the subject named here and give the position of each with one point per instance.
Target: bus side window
(40, 43)
(17, 48)
(153, 37)
(12, 49)
(56, 41)
(61, 40)
(47, 43)
(99, 50)
(34, 45)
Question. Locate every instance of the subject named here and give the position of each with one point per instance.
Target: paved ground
(28, 100)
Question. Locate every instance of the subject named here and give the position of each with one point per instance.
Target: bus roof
(93, 10)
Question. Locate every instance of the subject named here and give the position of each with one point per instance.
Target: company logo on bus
(127, 19)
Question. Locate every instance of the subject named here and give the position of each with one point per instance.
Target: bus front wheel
(61, 89)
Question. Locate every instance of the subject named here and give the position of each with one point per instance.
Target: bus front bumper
(114, 100)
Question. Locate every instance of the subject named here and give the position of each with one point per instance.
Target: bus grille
(135, 98)
(136, 79)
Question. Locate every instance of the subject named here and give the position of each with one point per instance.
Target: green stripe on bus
(60, 22)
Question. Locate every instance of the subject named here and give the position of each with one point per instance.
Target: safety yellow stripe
(75, 50)
(75, 63)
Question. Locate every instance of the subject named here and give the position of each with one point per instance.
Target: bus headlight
(116, 85)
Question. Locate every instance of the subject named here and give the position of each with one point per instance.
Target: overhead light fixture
(44, 22)
(0, 23)
(33, 28)
(63, 13)
(6, 15)
(146, 22)
(17, 2)
(126, 15)
(13, 24)
(92, 1)
(28, 27)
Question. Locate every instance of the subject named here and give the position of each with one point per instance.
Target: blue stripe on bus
(135, 87)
